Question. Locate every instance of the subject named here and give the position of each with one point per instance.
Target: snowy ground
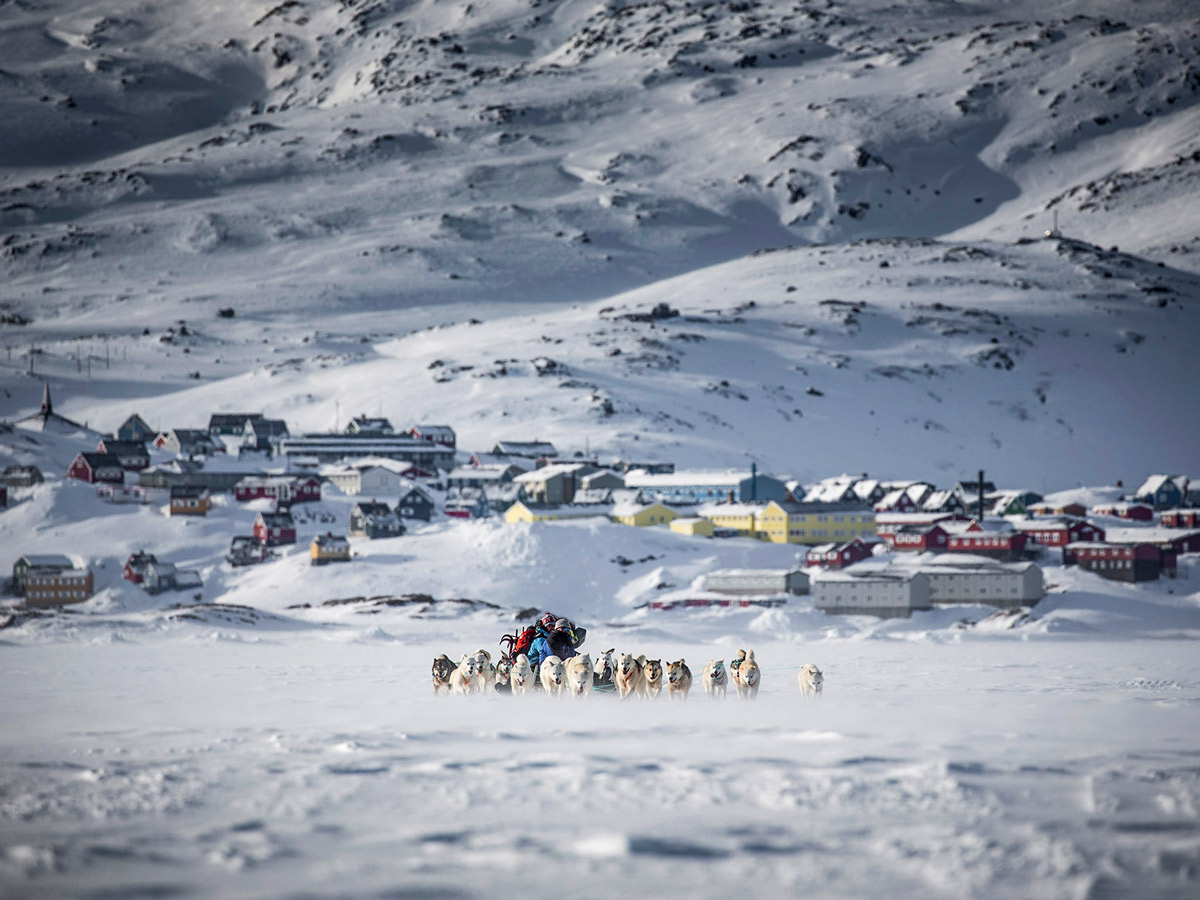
(233, 763)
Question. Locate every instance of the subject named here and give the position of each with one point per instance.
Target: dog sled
(521, 642)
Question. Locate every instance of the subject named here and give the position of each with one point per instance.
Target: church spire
(47, 407)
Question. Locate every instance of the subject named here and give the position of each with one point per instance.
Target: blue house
(1163, 491)
(135, 429)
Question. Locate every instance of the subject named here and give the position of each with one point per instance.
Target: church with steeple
(46, 419)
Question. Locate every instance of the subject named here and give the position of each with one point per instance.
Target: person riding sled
(554, 638)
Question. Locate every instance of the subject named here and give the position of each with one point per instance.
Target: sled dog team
(628, 675)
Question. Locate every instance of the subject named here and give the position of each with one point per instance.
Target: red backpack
(518, 642)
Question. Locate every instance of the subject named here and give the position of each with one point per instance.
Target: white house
(955, 578)
(373, 476)
(756, 581)
(888, 593)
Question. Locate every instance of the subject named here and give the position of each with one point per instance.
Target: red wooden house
(1180, 518)
(283, 489)
(917, 538)
(1186, 543)
(95, 467)
(1059, 532)
(1134, 512)
(438, 434)
(837, 556)
(1002, 545)
(1121, 562)
(273, 529)
(135, 566)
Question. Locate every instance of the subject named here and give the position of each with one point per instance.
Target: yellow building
(642, 514)
(738, 518)
(528, 511)
(190, 501)
(692, 526)
(327, 548)
(812, 523)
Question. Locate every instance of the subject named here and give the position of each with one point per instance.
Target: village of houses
(868, 546)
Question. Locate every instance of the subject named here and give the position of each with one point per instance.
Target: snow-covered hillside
(344, 176)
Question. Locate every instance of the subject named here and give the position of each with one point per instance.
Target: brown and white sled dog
(442, 667)
(811, 680)
(605, 669)
(554, 676)
(746, 677)
(679, 680)
(579, 676)
(464, 678)
(652, 678)
(714, 678)
(629, 676)
(521, 677)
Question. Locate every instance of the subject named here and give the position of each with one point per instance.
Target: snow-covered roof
(569, 511)
(862, 572)
(1155, 482)
(478, 473)
(986, 526)
(831, 490)
(532, 449)
(1148, 535)
(545, 473)
(900, 519)
(593, 495)
(953, 562)
(708, 510)
(48, 560)
(434, 431)
(686, 478)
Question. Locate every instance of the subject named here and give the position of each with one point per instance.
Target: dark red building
(1059, 532)
(273, 529)
(917, 538)
(1121, 562)
(1180, 518)
(1134, 512)
(837, 556)
(281, 489)
(135, 566)
(96, 467)
(1002, 545)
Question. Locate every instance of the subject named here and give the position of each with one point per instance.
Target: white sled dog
(629, 676)
(714, 678)
(521, 676)
(464, 678)
(579, 676)
(679, 680)
(553, 674)
(746, 677)
(485, 671)
(652, 678)
(811, 680)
